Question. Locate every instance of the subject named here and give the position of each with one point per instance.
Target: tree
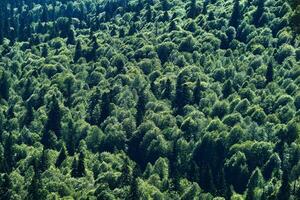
(235, 15)
(285, 188)
(197, 93)
(5, 187)
(8, 154)
(269, 73)
(105, 106)
(78, 166)
(61, 157)
(193, 10)
(4, 86)
(44, 51)
(257, 15)
(256, 181)
(71, 37)
(172, 26)
(182, 96)
(140, 107)
(34, 190)
(227, 88)
(167, 92)
(78, 52)
(81, 165)
(54, 118)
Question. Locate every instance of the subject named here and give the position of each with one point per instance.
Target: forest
(149, 99)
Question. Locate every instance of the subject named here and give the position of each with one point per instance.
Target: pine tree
(71, 37)
(193, 10)
(172, 26)
(141, 107)
(34, 189)
(54, 118)
(105, 106)
(167, 92)
(44, 51)
(61, 157)
(8, 154)
(235, 15)
(70, 138)
(78, 52)
(182, 96)
(81, 166)
(43, 161)
(269, 73)
(285, 188)
(4, 86)
(258, 13)
(227, 89)
(5, 187)
(256, 181)
(29, 117)
(197, 93)
(126, 177)
(74, 172)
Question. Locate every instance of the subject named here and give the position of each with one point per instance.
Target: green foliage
(149, 99)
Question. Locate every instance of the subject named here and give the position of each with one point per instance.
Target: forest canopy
(150, 99)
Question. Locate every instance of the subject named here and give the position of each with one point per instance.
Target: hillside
(150, 99)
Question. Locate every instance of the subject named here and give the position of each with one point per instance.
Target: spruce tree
(74, 172)
(54, 118)
(81, 166)
(269, 73)
(235, 15)
(197, 93)
(4, 86)
(167, 92)
(61, 157)
(258, 13)
(5, 187)
(141, 108)
(78, 52)
(105, 106)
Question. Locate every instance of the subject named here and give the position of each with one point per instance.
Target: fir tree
(235, 15)
(61, 157)
(54, 118)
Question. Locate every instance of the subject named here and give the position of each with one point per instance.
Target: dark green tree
(4, 86)
(235, 15)
(78, 52)
(81, 172)
(269, 73)
(61, 157)
(5, 187)
(141, 108)
(197, 93)
(53, 122)
(167, 92)
(227, 89)
(193, 10)
(257, 15)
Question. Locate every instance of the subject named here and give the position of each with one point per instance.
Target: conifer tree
(81, 166)
(54, 118)
(4, 86)
(258, 13)
(269, 73)
(61, 157)
(5, 187)
(235, 15)
(140, 107)
(167, 92)
(78, 51)
(105, 106)
(197, 92)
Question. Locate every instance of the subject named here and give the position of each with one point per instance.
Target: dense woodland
(150, 99)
